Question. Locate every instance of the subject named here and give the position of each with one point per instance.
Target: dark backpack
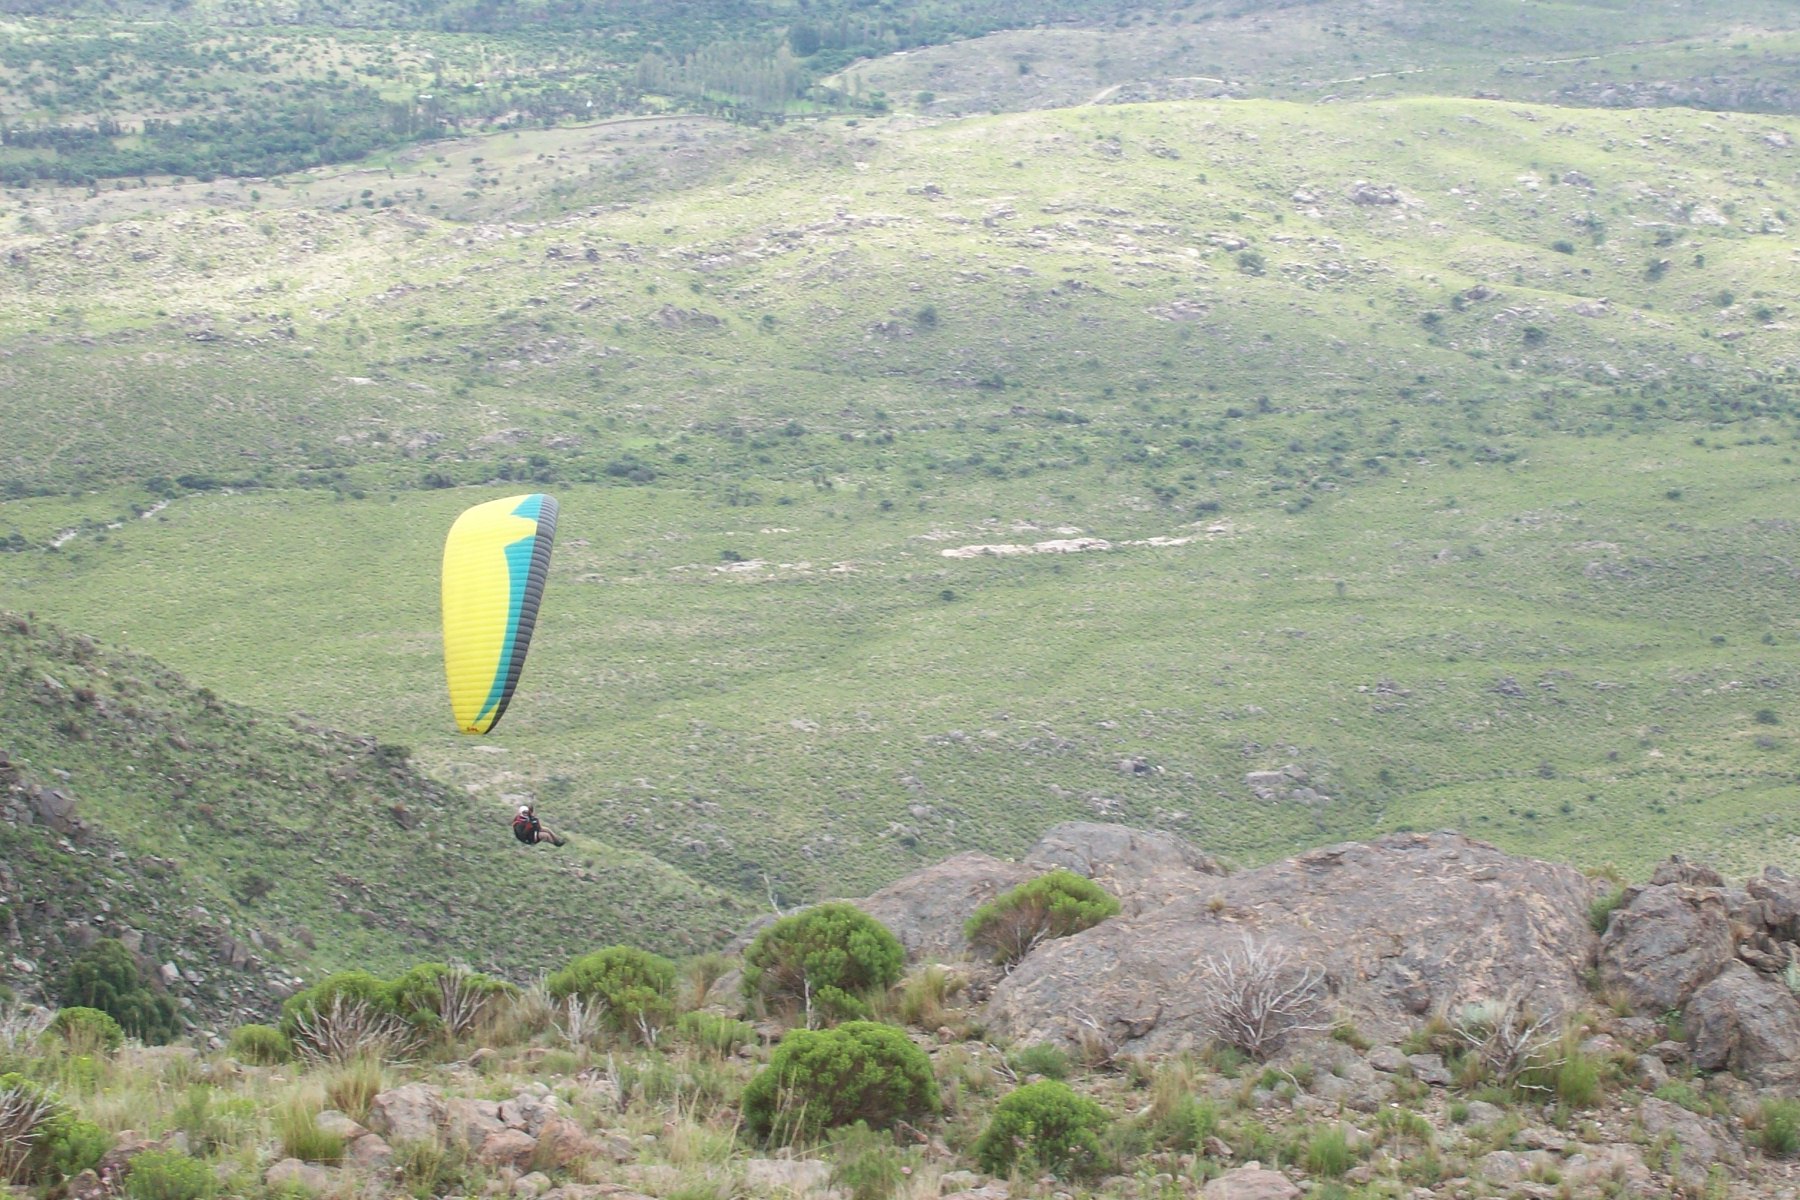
(525, 828)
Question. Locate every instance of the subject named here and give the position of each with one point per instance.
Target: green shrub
(716, 1035)
(258, 1045)
(637, 987)
(88, 1030)
(835, 946)
(41, 1140)
(1044, 1126)
(1042, 1058)
(169, 1175)
(1778, 1128)
(106, 976)
(1050, 906)
(823, 1078)
(69, 1145)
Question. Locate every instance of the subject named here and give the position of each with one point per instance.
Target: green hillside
(1442, 449)
(246, 848)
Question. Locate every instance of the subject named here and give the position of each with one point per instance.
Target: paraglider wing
(495, 562)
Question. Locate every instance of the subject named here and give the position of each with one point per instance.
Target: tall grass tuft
(301, 1136)
(352, 1087)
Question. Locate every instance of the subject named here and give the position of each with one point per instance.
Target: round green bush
(637, 987)
(169, 1175)
(258, 1045)
(818, 1079)
(88, 1030)
(1051, 906)
(1045, 1126)
(106, 976)
(827, 946)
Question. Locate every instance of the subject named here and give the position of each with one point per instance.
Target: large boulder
(1145, 870)
(411, 1113)
(1250, 1183)
(1748, 1024)
(1664, 941)
(927, 909)
(1398, 927)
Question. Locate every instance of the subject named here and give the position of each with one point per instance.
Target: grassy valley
(1426, 450)
(1270, 471)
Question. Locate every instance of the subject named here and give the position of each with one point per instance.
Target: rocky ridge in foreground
(1655, 1057)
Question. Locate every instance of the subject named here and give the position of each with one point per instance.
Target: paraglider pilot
(528, 829)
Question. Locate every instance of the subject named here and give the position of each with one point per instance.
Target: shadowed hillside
(250, 851)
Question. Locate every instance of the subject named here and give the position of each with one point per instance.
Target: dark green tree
(106, 976)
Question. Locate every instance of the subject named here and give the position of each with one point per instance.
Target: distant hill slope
(1592, 53)
(1266, 472)
(250, 851)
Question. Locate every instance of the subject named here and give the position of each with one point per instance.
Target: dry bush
(1256, 995)
(348, 1028)
(578, 1021)
(22, 1024)
(23, 1113)
(1510, 1041)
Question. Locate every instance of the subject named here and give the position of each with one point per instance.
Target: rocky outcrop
(1398, 926)
(1663, 942)
(927, 909)
(1748, 1024)
(1144, 869)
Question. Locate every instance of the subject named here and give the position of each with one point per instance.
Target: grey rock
(1250, 1183)
(371, 1153)
(794, 1175)
(1702, 1141)
(1663, 942)
(1145, 870)
(470, 1122)
(1747, 1024)
(1676, 870)
(411, 1113)
(291, 1172)
(1429, 1068)
(338, 1124)
(508, 1148)
(1387, 1058)
(1777, 896)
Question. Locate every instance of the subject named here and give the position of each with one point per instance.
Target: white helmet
(524, 810)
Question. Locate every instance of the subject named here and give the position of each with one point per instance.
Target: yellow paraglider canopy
(495, 562)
